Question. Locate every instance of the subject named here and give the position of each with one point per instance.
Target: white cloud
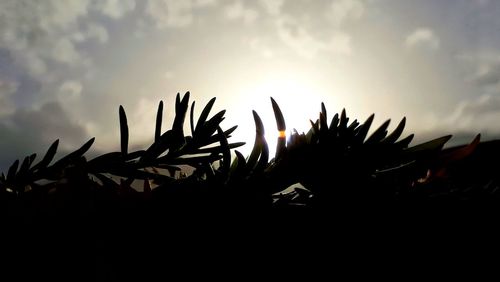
(273, 7)
(305, 44)
(115, 8)
(237, 11)
(342, 11)
(422, 38)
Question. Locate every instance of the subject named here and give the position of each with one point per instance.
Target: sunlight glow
(298, 98)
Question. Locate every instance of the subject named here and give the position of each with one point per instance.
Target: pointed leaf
(258, 146)
(278, 115)
(218, 149)
(323, 110)
(378, 134)
(123, 130)
(12, 171)
(393, 137)
(264, 156)
(49, 156)
(204, 114)
(343, 120)
(76, 154)
(159, 118)
(226, 153)
(435, 144)
(403, 143)
(180, 113)
(239, 162)
(191, 118)
(455, 154)
(363, 130)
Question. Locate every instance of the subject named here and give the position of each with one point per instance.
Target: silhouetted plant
(336, 162)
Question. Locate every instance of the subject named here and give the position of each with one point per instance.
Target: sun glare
(298, 98)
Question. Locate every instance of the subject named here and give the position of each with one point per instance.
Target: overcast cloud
(66, 65)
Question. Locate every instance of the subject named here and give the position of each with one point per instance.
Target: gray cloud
(173, 13)
(115, 8)
(7, 89)
(28, 131)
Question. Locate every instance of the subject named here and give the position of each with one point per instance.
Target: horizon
(66, 67)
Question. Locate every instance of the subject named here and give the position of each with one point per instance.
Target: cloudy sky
(67, 65)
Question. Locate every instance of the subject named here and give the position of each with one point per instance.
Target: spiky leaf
(123, 131)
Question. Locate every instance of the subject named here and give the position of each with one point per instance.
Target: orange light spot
(282, 134)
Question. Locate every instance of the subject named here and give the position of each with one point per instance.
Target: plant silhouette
(336, 163)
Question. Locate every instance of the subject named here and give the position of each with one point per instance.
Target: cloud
(41, 33)
(260, 47)
(115, 8)
(480, 115)
(28, 131)
(7, 89)
(422, 38)
(483, 70)
(272, 7)
(93, 31)
(70, 89)
(173, 13)
(237, 11)
(343, 11)
(305, 44)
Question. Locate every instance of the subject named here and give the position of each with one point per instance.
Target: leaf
(378, 134)
(12, 171)
(76, 154)
(208, 129)
(278, 115)
(180, 113)
(123, 130)
(191, 118)
(49, 156)
(393, 137)
(257, 148)
(433, 145)
(239, 163)
(334, 125)
(214, 138)
(218, 149)
(226, 152)
(204, 114)
(323, 126)
(343, 120)
(403, 143)
(264, 156)
(364, 128)
(24, 167)
(157, 148)
(455, 154)
(323, 110)
(193, 161)
(104, 161)
(159, 117)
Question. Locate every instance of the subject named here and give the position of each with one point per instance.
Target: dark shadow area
(132, 215)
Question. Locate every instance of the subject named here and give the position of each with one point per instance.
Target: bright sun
(298, 98)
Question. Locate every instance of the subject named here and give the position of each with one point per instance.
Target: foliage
(336, 163)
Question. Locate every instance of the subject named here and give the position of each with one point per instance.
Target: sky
(67, 65)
